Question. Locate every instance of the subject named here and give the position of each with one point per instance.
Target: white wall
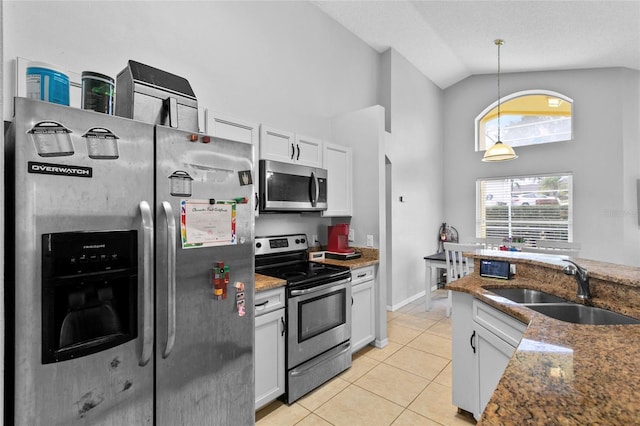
(363, 130)
(631, 167)
(284, 64)
(415, 118)
(605, 126)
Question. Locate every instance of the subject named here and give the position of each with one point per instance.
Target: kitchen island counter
(564, 373)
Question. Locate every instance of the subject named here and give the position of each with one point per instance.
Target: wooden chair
(457, 265)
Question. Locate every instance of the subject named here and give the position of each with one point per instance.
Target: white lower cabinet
(362, 307)
(269, 346)
(463, 352)
(492, 356)
(484, 340)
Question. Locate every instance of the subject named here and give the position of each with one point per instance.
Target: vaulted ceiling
(451, 40)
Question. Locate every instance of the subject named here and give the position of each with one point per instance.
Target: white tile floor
(406, 383)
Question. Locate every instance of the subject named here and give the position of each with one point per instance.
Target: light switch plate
(369, 240)
(352, 235)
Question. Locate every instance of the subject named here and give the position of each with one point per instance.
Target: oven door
(319, 319)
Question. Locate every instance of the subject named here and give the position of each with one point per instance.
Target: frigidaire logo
(59, 169)
(94, 246)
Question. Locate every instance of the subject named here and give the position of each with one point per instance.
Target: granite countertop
(564, 373)
(369, 257)
(265, 282)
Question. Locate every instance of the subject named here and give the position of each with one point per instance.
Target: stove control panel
(281, 244)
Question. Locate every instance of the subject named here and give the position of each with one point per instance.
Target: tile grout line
(377, 362)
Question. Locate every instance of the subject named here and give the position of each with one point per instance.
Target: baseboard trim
(405, 302)
(381, 343)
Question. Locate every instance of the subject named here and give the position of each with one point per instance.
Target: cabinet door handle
(351, 300)
(293, 151)
(284, 326)
(257, 202)
(298, 157)
(471, 341)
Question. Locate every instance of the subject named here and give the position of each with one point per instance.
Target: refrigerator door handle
(171, 278)
(147, 319)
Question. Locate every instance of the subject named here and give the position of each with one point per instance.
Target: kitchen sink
(581, 314)
(526, 295)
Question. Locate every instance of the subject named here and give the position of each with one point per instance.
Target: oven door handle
(319, 288)
(333, 353)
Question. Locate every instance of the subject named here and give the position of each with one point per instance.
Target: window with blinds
(525, 209)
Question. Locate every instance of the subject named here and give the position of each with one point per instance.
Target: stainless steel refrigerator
(130, 272)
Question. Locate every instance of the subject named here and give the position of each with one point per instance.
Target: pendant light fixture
(499, 151)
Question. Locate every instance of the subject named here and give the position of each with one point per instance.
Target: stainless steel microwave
(288, 187)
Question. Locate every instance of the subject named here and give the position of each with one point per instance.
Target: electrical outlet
(352, 235)
(369, 240)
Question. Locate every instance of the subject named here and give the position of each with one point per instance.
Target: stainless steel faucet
(582, 278)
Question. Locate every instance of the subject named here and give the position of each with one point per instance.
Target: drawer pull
(261, 305)
(362, 275)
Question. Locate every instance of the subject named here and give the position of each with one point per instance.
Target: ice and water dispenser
(89, 292)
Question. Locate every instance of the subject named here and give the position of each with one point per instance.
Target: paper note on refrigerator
(204, 223)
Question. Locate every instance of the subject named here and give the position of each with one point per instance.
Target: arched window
(526, 118)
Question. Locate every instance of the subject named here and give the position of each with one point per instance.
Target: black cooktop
(285, 257)
(305, 272)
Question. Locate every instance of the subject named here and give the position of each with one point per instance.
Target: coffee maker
(338, 244)
(339, 238)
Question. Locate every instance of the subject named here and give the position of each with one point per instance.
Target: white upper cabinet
(226, 127)
(287, 147)
(230, 128)
(338, 162)
(308, 151)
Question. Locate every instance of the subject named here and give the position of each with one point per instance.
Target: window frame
(514, 95)
(481, 219)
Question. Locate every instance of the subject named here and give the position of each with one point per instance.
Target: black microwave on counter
(288, 187)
